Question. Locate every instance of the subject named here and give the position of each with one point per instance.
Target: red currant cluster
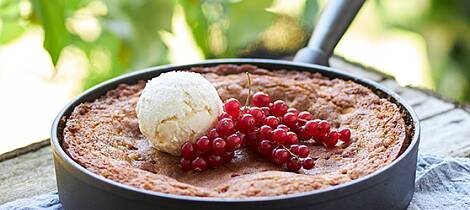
(272, 129)
(211, 150)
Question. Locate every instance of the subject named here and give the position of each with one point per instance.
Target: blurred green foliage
(445, 26)
(130, 31)
(12, 25)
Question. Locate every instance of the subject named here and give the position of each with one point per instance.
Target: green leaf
(12, 25)
(9, 10)
(138, 24)
(248, 19)
(74, 5)
(10, 31)
(108, 42)
(51, 15)
(198, 23)
(309, 15)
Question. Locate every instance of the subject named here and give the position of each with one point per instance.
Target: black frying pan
(390, 187)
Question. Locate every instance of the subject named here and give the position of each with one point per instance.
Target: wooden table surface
(445, 128)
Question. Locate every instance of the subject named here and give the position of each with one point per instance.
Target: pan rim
(353, 186)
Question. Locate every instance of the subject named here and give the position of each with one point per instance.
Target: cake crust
(103, 136)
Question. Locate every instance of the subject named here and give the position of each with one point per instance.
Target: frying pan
(390, 187)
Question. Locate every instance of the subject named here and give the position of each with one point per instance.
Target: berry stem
(291, 153)
(247, 102)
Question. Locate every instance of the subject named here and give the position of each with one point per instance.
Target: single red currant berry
(331, 139)
(258, 113)
(308, 163)
(271, 121)
(280, 156)
(232, 107)
(233, 142)
(303, 151)
(293, 110)
(279, 108)
(283, 127)
(265, 147)
(199, 164)
(345, 135)
(324, 126)
(289, 119)
(187, 150)
(251, 138)
(203, 144)
(265, 132)
(266, 110)
(225, 127)
(185, 164)
(246, 123)
(291, 138)
(305, 116)
(319, 137)
(294, 164)
(224, 115)
(311, 127)
(228, 156)
(294, 149)
(215, 160)
(212, 134)
(301, 122)
(218, 146)
(302, 134)
(279, 135)
(260, 99)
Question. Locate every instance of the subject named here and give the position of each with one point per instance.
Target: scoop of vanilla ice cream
(176, 107)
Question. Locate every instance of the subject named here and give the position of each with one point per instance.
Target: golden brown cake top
(103, 136)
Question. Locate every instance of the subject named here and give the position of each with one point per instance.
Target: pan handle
(334, 21)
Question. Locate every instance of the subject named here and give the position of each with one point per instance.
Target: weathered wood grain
(23, 150)
(424, 105)
(342, 64)
(27, 175)
(447, 134)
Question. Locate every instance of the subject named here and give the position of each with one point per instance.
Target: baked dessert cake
(104, 137)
